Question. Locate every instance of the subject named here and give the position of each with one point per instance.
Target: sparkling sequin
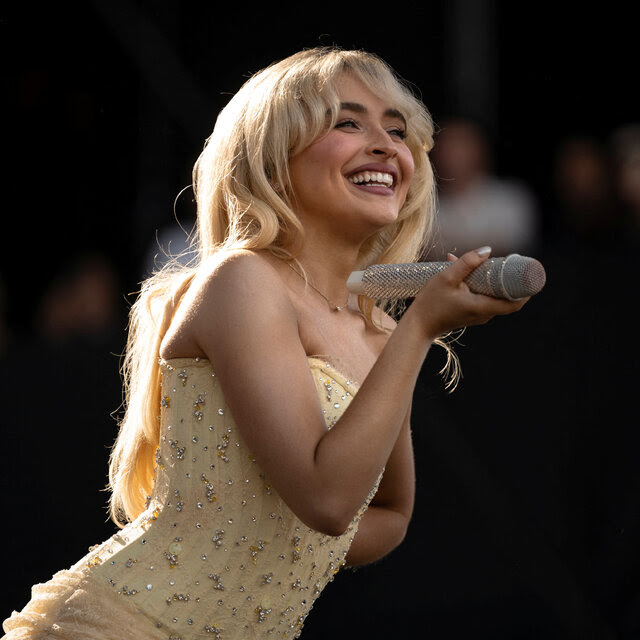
(262, 613)
(222, 448)
(198, 404)
(217, 582)
(256, 549)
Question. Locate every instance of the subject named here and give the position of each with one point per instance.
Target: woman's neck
(327, 267)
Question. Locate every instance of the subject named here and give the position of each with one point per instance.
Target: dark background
(527, 522)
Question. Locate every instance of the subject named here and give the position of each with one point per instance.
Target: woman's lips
(378, 178)
(372, 178)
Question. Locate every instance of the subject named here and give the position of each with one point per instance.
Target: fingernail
(483, 251)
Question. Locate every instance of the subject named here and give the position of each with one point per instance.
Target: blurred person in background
(81, 303)
(474, 203)
(584, 208)
(625, 153)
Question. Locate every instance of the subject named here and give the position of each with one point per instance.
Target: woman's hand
(446, 303)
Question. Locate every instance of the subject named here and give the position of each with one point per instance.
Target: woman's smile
(374, 177)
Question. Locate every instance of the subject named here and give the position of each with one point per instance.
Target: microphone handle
(393, 281)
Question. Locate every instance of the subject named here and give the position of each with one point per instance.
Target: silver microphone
(510, 278)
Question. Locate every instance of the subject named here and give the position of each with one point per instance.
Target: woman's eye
(398, 133)
(346, 124)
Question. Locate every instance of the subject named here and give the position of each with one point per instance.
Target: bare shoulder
(234, 278)
(232, 289)
(228, 267)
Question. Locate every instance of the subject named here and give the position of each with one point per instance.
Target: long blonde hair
(239, 182)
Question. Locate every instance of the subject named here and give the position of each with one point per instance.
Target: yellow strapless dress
(217, 554)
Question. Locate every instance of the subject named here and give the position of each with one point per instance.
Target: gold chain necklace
(333, 305)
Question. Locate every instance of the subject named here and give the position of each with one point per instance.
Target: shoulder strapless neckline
(315, 362)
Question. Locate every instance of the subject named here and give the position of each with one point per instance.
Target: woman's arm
(384, 524)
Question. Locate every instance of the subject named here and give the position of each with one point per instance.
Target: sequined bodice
(218, 554)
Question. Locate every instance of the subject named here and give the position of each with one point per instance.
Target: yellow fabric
(217, 554)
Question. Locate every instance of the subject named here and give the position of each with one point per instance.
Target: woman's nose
(381, 145)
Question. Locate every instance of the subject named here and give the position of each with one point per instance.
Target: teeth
(373, 177)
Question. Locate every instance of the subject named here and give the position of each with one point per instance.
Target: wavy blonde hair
(241, 203)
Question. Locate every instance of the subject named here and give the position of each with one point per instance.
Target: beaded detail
(217, 553)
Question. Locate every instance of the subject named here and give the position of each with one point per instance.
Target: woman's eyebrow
(360, 108)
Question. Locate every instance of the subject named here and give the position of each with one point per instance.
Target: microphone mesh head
(522, 276)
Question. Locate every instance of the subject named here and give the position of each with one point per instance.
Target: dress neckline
(315, 361)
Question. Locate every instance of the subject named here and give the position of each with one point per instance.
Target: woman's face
(354, 179)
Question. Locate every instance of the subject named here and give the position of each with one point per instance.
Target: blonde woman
(266, 441)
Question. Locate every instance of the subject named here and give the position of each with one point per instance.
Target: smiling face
(355, 178)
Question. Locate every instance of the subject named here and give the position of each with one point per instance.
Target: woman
(283, 448)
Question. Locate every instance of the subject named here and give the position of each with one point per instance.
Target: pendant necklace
(334, 307)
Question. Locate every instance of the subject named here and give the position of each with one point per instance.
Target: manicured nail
(483, 251)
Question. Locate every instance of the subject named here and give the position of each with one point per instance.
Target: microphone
(510, 278)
